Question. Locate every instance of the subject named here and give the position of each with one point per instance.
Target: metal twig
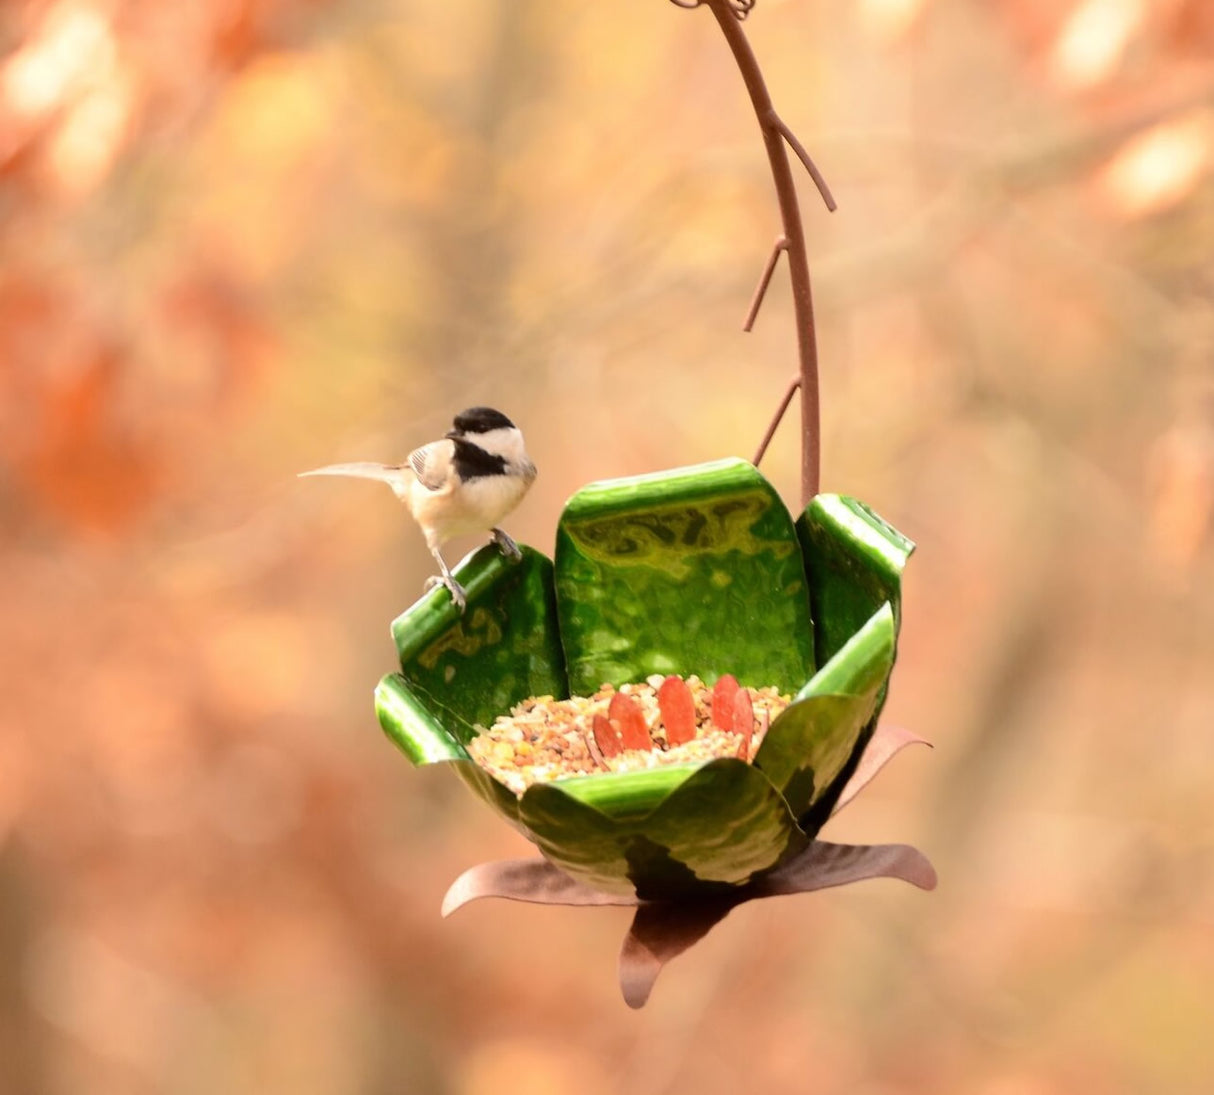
(776, 418)
(804, 157)
(756, 302)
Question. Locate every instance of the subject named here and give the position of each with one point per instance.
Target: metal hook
(741, 8)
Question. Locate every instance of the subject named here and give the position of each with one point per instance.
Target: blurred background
(242, 238)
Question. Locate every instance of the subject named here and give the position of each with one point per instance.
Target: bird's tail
(394, 475)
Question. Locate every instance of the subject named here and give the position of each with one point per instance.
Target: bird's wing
(432, 464)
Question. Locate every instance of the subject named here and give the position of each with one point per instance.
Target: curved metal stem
(777, 137)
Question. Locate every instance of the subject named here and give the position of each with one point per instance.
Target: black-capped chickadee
(467, 482)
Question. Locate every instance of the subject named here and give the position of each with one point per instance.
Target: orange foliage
(82, 465)
(245, 237)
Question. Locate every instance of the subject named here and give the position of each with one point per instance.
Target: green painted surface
(854, 562)
(417, 731)
(413, 725)
(696, 570)
(808, 745)
(861, 666)
(628, 795)
(718, 827)
(811, 742)
(469, 669)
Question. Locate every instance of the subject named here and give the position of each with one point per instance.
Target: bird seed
(644, 725)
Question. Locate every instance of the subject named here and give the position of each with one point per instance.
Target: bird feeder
(692, 573)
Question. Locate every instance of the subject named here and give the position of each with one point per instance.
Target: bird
(463, 483)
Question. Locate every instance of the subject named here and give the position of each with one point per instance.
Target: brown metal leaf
(535, 881)
(885, 743)
(678, 710)
(723, 693)
(626, 715)
(823, 865)
(660, 932)
(607, 737)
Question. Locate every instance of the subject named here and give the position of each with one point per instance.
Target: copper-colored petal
(823, 865)
(884, 744)
(723, 693)
(678, 709)
(626, 714)
(607, 737)
(532, 880)
(663, 930)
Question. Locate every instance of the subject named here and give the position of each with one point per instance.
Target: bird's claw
(458, 596)
(508, 547)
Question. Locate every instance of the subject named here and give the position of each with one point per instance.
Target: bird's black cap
(479, 420)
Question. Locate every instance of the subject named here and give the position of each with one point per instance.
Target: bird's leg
(453, 587)
(508, 547)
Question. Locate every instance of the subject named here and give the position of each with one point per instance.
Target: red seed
(678, 711)
(596, 754)
(743, 720)
(626, 715)
(723, 693)
(607, 737)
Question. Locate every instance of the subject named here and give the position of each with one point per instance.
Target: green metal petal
(695, 570)
(808, 745)
(722, 843)
(625, 795)
(854, 563)
(863, 664)
(722, 824)
(495, 794)
(411, 725)
(465, 670)
(576, 837)
(812, 741)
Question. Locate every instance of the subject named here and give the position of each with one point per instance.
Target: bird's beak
(453, 434)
